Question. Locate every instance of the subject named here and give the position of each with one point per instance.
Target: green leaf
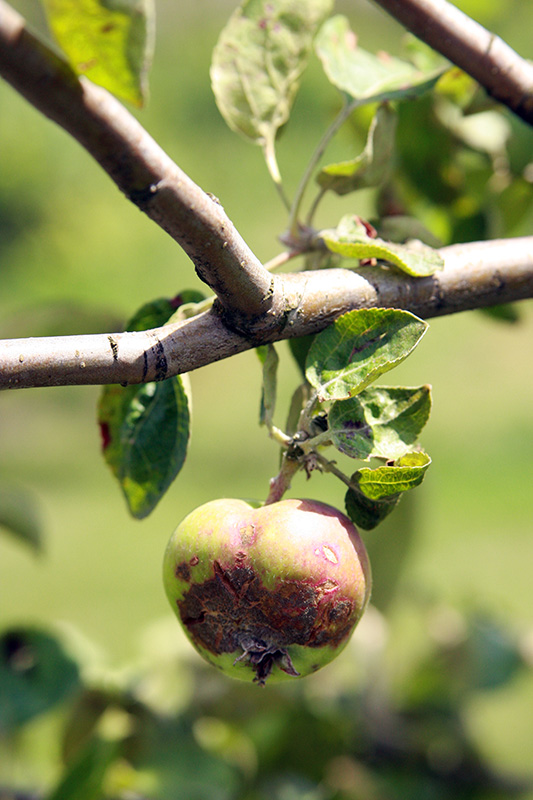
(258, 61)
(299, 347)
(84, 778)
(35, 675)
(365, 77)
(145, 428)
(370, 168)
(298, 400)
(505, 312)
(381, 422)
(270, 360)
(145, 433)
(108, 41)
(358, 347)
(351, 240)
(152, 315)
(377, 491)
(366, 513)
(20, 516)
(387, 481)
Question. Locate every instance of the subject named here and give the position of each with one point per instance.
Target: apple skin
(271, 592)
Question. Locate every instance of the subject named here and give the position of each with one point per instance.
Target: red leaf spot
(105, 433)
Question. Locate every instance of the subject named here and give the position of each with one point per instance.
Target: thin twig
(506, 76)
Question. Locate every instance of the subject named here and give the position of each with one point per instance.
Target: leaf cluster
(338, 406)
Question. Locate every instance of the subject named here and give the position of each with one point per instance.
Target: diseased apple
(270, 592)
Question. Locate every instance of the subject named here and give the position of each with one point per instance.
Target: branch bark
(252, 306)
(506, 76)
(140, 169)
(475, 275)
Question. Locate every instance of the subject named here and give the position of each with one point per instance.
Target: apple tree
(415, 202)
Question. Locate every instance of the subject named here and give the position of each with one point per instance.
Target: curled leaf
(351, 240)
(371, 166)
(377, 491)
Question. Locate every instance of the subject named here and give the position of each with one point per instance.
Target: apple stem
(282, 482)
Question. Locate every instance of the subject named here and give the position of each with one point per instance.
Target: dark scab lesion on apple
(183, 571)
(233, 612)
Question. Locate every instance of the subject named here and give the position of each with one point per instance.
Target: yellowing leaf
(258, 60)
(109, 41)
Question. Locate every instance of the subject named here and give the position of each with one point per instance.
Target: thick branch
(475, 275)
(139, 167)
(505, 75)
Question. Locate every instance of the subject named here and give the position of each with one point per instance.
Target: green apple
(271, 592)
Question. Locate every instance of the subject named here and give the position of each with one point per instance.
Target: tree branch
(475, 275)
(505, 75)
(139, 167)
(253, 306)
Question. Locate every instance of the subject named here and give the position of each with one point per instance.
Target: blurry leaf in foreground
(364, 76)
(359, 347)
(110, 42)
(35, 675)
(19, 516)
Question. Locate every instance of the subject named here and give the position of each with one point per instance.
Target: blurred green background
(76, 257)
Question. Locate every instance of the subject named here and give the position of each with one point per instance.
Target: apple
(272, 592)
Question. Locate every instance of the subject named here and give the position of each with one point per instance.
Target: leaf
(270, 360)
(258, 61)
(377, 491)
(358, 347)
(365, 77)
(84, 778)
(505, 312)
(371, 167)
(351, 240)
(381, 422)
(145, 428)
(152, 315)
(108, 41)
(35, 675)
(298, 400)
(406, 473)
(20, 516)
(299, 347)
(145, 431)
(366, 513)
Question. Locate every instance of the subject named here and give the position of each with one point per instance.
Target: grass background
(75, 257)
